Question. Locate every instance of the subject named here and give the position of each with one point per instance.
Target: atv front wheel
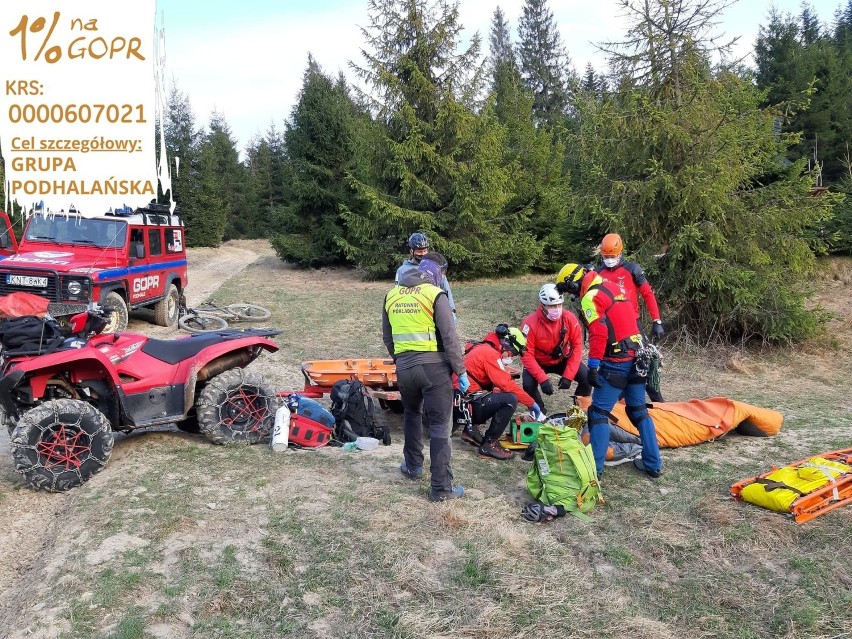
(60, 444)
(236, 407)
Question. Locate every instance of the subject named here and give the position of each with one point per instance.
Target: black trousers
(499, 408)
(427, 396)
(531, 387)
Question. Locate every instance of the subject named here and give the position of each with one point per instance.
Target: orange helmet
(612, 246)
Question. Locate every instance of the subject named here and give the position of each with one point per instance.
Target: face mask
(611, 262)
(507, 361)
(553, 313)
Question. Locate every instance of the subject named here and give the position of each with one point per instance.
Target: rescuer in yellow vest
(420, 335)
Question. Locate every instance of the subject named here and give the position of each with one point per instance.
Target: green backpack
(563, 472)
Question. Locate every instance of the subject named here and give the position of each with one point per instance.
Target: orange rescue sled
(377, 374)
(832, 494)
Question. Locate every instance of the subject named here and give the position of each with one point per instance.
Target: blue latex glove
(536, 413)
(464, 384)
(455, 317)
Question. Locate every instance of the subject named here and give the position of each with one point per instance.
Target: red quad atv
(62, 400)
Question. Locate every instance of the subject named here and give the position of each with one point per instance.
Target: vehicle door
(8, 242)
(146, 283)
(176, 254)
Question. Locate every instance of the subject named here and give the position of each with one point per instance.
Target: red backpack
(311, 425)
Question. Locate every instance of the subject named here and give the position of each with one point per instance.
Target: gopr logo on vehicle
(142, 284)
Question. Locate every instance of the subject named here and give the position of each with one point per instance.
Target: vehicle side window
(174, 241)
(137, 239)
(155, 241)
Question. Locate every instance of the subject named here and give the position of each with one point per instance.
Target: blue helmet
(418, 240)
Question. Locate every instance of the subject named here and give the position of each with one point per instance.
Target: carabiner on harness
(645, 357)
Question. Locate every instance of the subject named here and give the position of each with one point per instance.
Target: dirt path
(30, 521)
(209, 268)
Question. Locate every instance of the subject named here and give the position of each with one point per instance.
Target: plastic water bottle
(281, 431)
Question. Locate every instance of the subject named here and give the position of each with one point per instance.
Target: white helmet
(549, 295)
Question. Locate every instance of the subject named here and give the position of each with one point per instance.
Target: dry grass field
(178, 538)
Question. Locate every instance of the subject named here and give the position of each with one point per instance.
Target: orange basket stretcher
(834, 494)
(377, 374)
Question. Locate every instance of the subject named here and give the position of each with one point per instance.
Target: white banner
(77, 106)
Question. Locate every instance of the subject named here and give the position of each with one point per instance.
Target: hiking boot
(471, 435)
(446, 495)
(623, 453)
(414, 473)
(640, 465)
(494, 450)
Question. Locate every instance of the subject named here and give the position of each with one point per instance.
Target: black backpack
(30, 335)
(354, 411)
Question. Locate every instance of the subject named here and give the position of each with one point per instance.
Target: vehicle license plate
(26, 280)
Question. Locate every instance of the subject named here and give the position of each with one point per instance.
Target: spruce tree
(320, 147)
(208, 199)
(803, 70)
(545, 65)
(684, 163)
(183, 148)
(269, 180)
(231, 173)
(837, 159)
(435, 162)
(532, 154)
(506, 80)
(592, 83)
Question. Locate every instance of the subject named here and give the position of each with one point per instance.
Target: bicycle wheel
(202, 323)
(249, 312)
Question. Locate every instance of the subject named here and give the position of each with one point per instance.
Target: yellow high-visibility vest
(411, 311)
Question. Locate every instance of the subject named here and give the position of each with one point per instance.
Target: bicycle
(210, 316)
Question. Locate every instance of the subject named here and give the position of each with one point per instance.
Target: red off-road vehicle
(121, 261)
(61, 407)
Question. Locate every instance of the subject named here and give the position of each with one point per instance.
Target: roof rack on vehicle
(152, 213)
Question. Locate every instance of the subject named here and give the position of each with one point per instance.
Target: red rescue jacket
(630, 278)
(544, 335)
(484, 369)
(613, 327)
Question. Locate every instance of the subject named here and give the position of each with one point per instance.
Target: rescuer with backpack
(495, 394)
(617, 355)
(630, 278)
(554, 345)
(419, 332)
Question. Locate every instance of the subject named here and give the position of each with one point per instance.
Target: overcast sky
(246, 59)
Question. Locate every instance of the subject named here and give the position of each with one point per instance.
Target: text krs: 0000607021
(77, 113)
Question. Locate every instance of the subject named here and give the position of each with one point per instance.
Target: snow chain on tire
(236, 407)
(60, 444)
